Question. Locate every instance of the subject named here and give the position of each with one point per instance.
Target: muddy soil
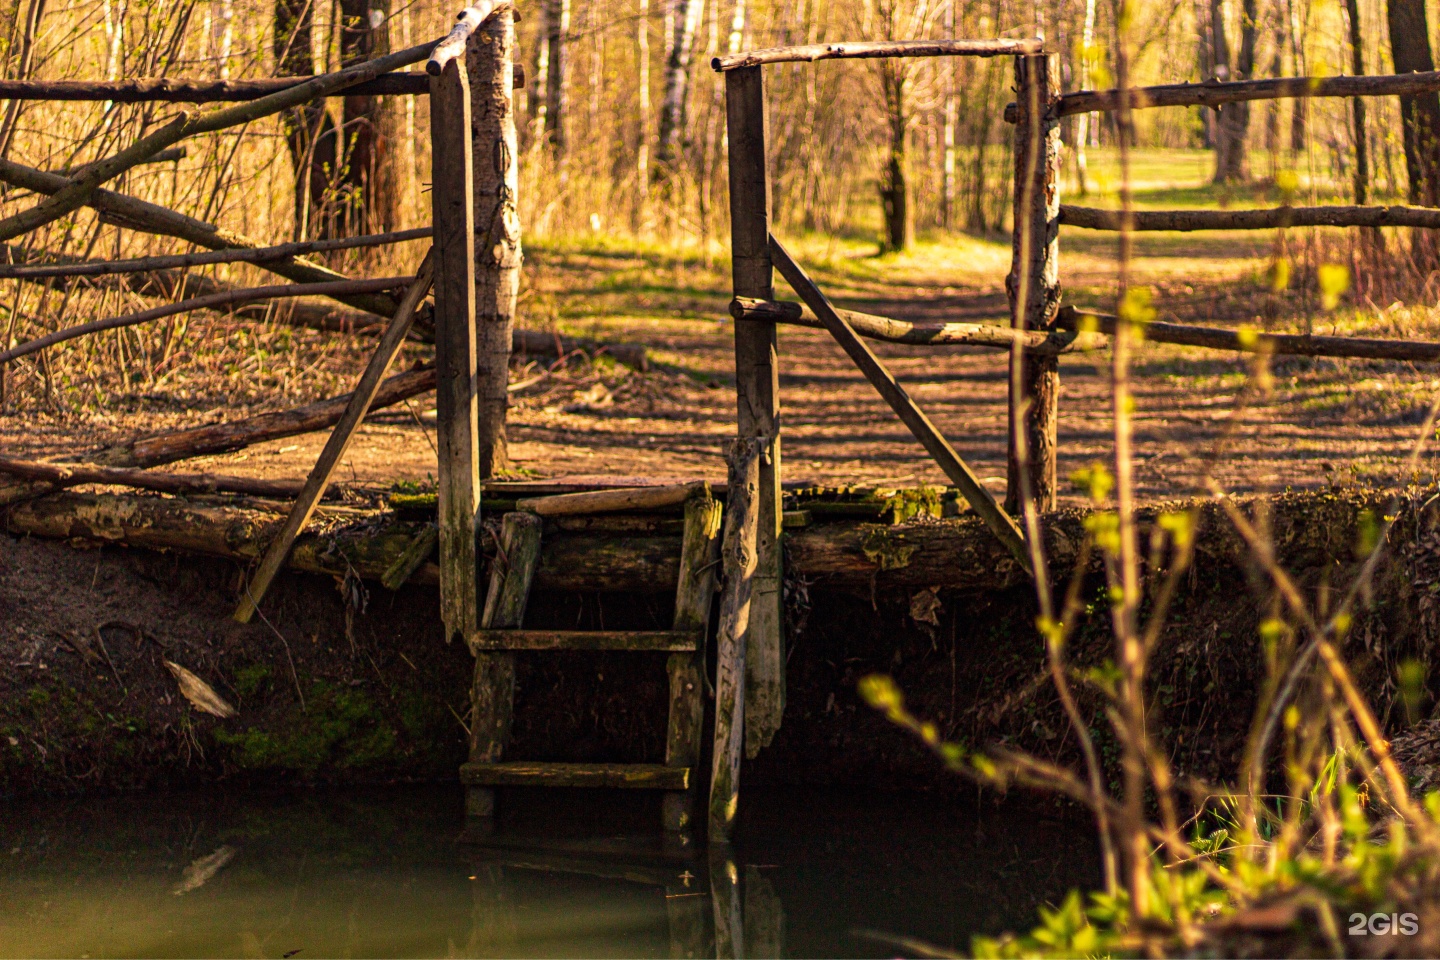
(355, 685)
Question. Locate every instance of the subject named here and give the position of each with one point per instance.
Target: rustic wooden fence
(468, 76)
(1041, 327)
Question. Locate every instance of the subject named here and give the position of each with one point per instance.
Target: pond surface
(381, 873)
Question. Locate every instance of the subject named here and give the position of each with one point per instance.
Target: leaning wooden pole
(934, 442)
(1034, 283)
(489, 61)
(757, 389)
(453, 206)
(319, 479)
(739, 553)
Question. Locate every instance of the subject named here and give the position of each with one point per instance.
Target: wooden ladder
(500, 635)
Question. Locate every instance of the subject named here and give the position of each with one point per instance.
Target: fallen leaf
(200, 871)
(925, 606)
(200, 694)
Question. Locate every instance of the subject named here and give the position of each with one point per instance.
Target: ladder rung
(651, 776)
(640, 641)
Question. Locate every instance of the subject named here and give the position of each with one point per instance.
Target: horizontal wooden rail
(923, 334)
(99, 268)
(868, 50)
(1246, 341)
(1091, 218)
(209, 302)
(129, 213)
(72, 474)
(644, 776)
(78, 190)
(1215, 93)
(175, 90)
(631, 641)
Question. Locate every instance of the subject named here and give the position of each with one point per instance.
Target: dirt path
(1323, 418)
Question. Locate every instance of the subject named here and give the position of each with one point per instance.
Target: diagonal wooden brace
(959, 472)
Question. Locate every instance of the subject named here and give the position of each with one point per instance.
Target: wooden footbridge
(472, 267)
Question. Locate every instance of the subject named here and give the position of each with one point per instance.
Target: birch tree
(685, 16)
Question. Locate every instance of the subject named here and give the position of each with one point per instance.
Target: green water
(381, 873)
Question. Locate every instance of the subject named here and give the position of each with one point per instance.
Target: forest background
(622, 127)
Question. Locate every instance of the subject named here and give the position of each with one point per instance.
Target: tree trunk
(369, 189)
(1300, 105)
(489, 62)
(310, 134)
(1082, 122)
(642, 136)
(1419, 114)
(947, 172)
(557, 26)
(1205, 60)
(895, 179)
(1234, 124)
(686, 19)
(537, 106)
(1357, 105)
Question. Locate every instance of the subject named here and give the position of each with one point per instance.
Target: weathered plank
(635, 641)
(492, 693)
(757, 387)
(605, 501)
(739, 555)
(453, 210)
(640, 776)
(319, 479)
(1034, 282)
(694, 590)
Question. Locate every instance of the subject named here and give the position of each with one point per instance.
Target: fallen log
(235, 531)
(238, 434)
(1252, 341)
(1092, 218)
(216, 438)
(1310, 530)
(59, 475)
(876, 327)
(211, 302)
(607, 501)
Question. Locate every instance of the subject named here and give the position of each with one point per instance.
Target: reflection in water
(381, 874)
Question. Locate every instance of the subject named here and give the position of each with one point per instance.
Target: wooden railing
(472, 61)
(1041, 328)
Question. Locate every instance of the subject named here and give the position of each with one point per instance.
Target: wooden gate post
(489, 60)
(1035, 244)
(758, 393)
(453, 210)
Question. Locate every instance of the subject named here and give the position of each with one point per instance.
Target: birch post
(489, 61)
(1034, 280)
(739, 552)
(452, 200)
(758, 395)
(694, 591)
